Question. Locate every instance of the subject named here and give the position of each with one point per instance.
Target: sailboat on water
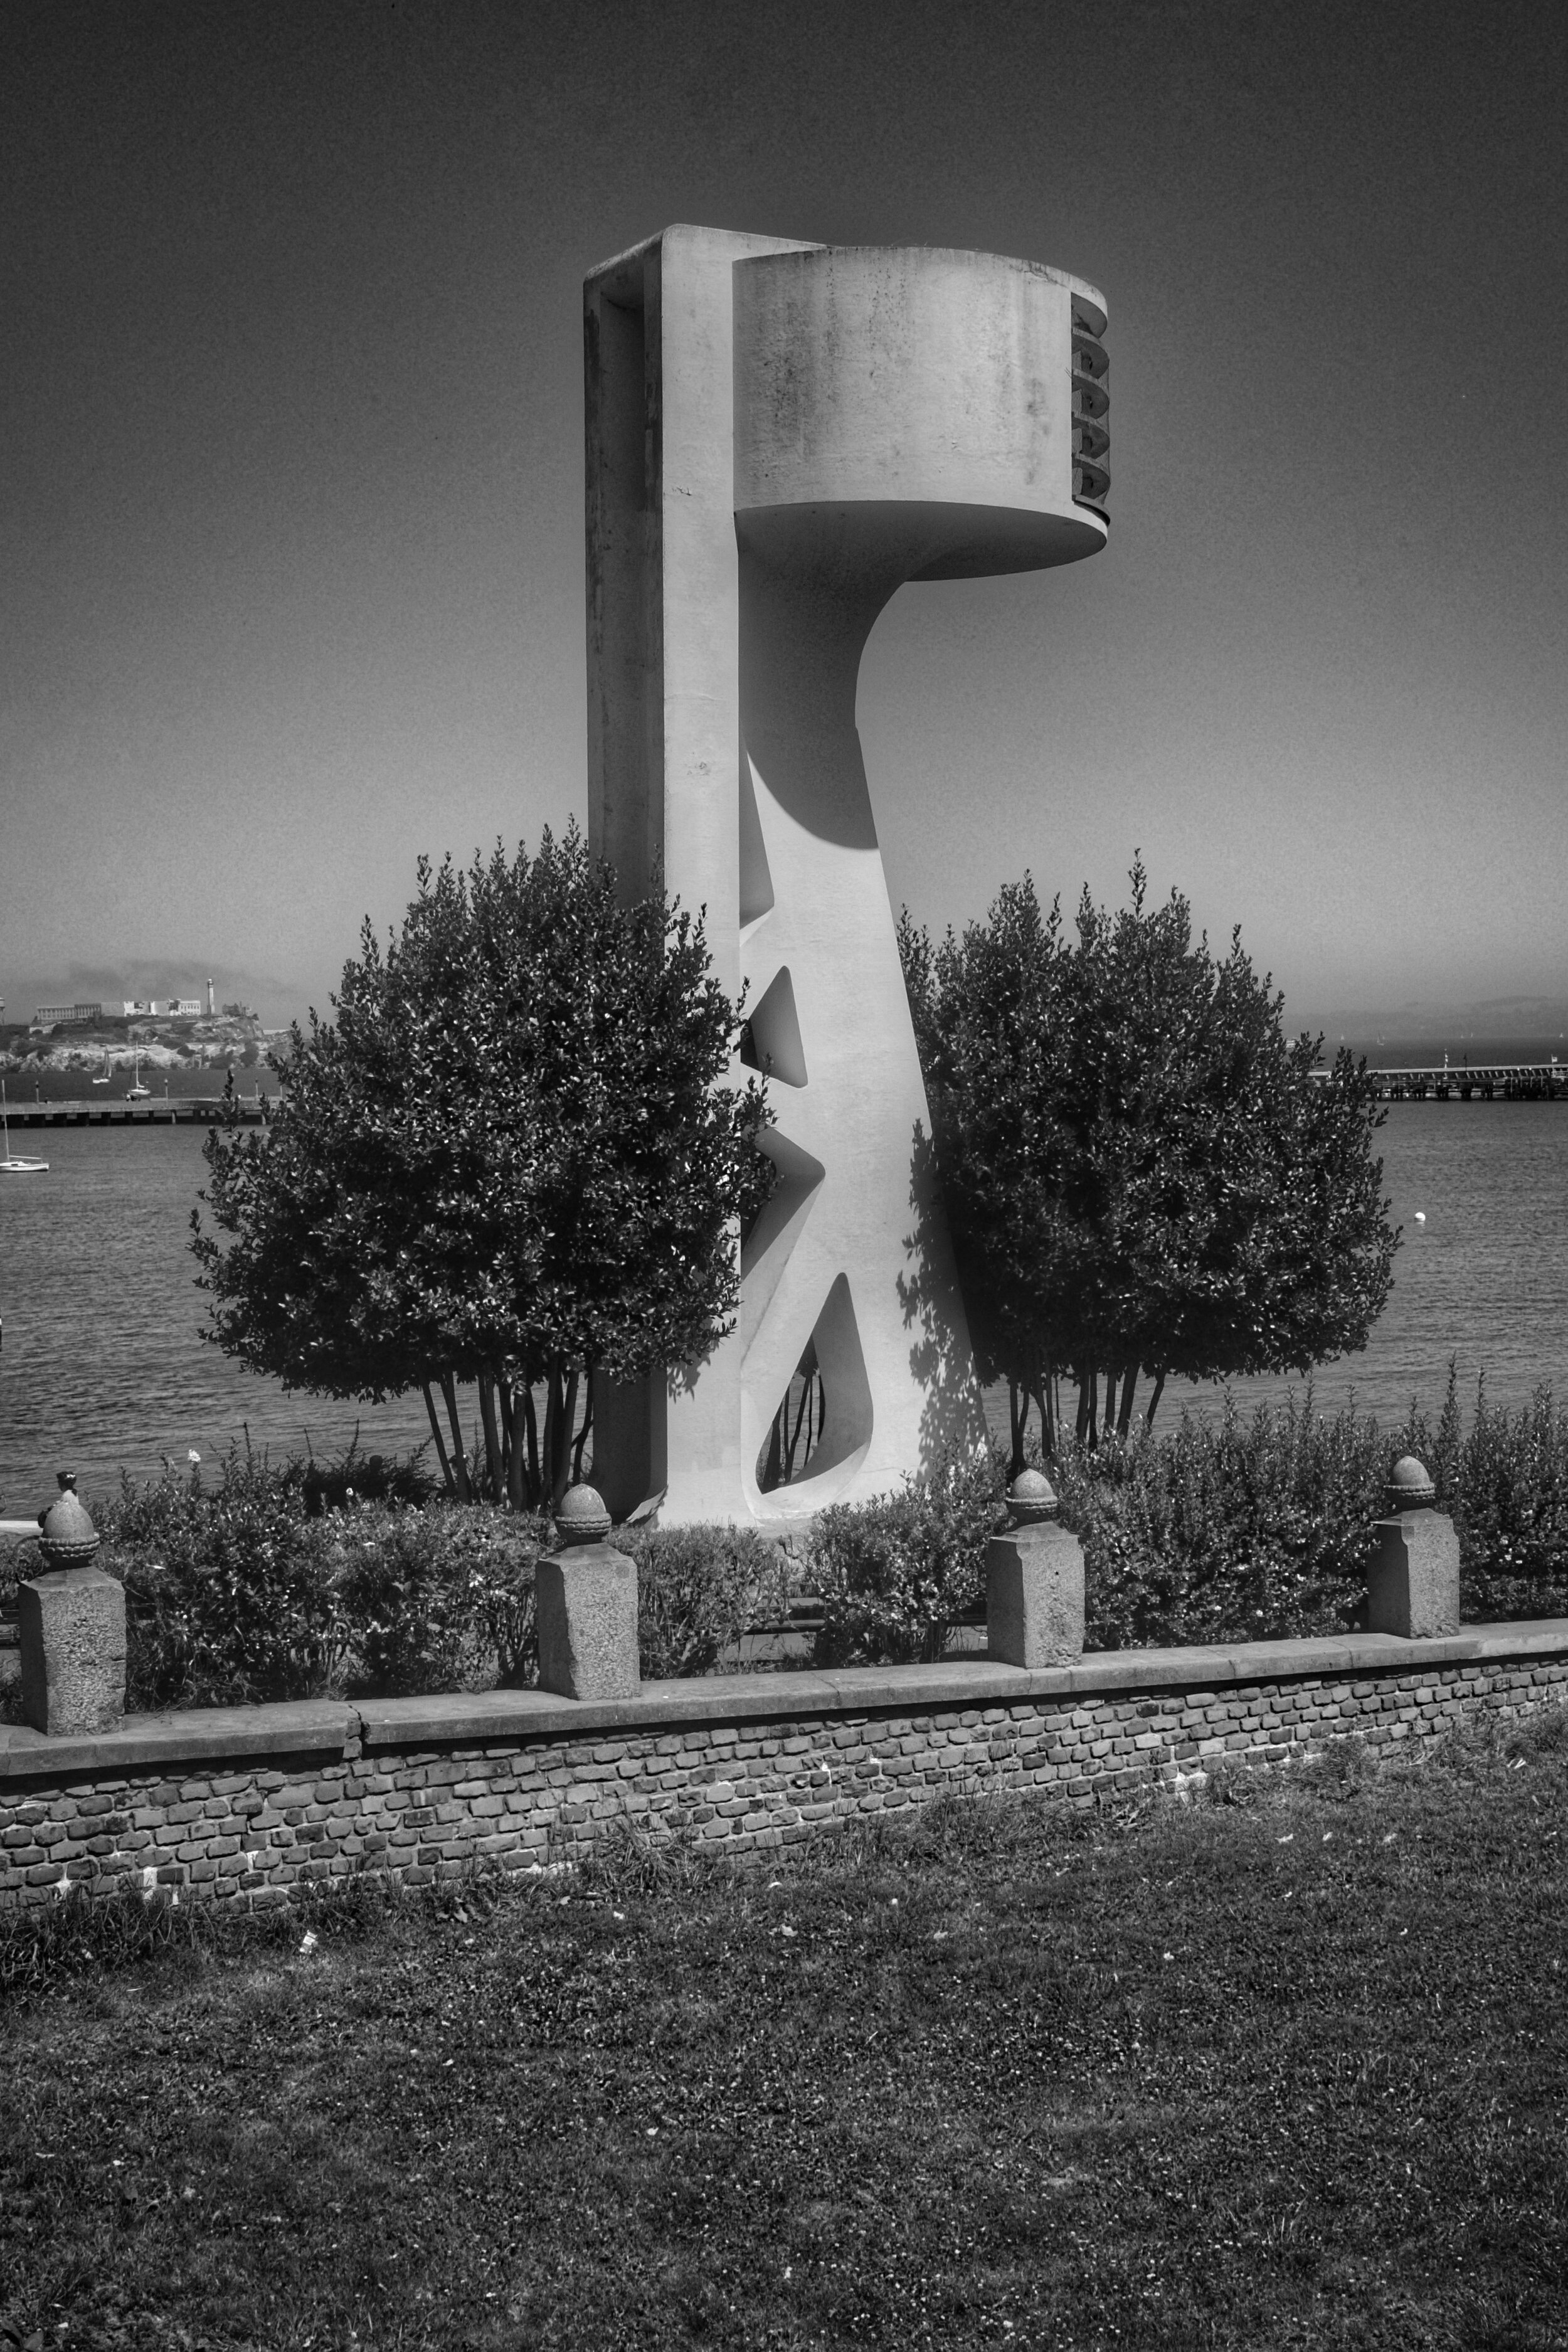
(9, 1165)
(136, 1091)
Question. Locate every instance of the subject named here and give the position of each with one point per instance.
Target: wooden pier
(1511, 1081)
(169, 1110)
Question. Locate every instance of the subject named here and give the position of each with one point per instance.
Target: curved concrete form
(779, 436)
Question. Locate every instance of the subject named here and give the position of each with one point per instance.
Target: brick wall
(247, 1804)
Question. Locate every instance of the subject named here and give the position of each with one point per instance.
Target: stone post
(1034, 1583)
(72, 1623)
(1413, 1583)
(585, 1598)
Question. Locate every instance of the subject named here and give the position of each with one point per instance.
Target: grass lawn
(1285, 2071)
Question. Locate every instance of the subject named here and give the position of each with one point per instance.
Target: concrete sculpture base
(72, 1625)
(1413, 1584)
(1034, 1597)
(586, 1601)
(778, 437)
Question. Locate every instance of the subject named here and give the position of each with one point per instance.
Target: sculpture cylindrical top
(951, 394)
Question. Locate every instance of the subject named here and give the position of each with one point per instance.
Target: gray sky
(291, 440)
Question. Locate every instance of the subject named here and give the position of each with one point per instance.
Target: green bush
(698, 1588)
(1264, 1529)
(1245, 1530)
(894, 1573)
(1251, 1531)
(239, 1591)
(1505, 1483)
(230, 1594)
(437, 1599)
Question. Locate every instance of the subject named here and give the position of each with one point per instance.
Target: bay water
(102, 1367)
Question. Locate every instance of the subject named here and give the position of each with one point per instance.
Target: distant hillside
(218, 1042)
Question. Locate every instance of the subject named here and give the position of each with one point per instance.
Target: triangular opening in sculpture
(756, 879)
(765, 1250)
(821, 1428)
(771, 1038)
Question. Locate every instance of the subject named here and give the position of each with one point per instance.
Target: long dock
(167, 1110)
(1514, 1081)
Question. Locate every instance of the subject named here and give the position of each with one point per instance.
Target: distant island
(113, 1045)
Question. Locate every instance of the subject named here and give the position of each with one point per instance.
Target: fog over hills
(1533, 1024)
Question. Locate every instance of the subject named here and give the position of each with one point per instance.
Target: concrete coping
(458, 1719)
(188, 1735)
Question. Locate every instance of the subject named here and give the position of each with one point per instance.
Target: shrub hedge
(698, 1588)
(437, 1599)
(229, 1592)
(894, 1573)
(247, 1590)
(1248, 1529)
(1252, 1529)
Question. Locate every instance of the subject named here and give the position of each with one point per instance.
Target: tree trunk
(493, 1457)
(584, 1433)
(560, 1413)
(804, 1414)
(552, 1401)
(1085, 1389)
(459, 1459)
(1154, 1400)
(1124, 1423)
(562, 1478)
(1018, 1416)
(794, 1439)
(447, 1481)
(531, 1422)
(516, 1462)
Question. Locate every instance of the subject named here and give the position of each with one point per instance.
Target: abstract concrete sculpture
(778, 436)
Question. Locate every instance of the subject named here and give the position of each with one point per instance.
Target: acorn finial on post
(71, 1618)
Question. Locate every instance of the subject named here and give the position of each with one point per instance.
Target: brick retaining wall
(245, 1804)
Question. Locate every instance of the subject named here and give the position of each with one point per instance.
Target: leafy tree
(1143, 1173)
(509, 1160)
